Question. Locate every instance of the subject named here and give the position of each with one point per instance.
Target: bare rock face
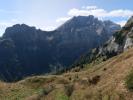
(128, 43)
(118, 43)
(123, 39)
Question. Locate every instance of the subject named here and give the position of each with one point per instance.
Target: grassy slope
(105, 81)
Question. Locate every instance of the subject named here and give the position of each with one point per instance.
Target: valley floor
(105, 81)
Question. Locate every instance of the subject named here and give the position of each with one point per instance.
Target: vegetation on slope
(105, 81)
(129, 81)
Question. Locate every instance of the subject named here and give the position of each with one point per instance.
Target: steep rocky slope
(121, 41)
(26, 51)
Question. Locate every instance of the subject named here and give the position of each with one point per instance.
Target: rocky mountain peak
(78, 22)
(18, 27)
(118, 43)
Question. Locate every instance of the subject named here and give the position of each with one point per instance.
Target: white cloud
(49, 28)
(97, 12)
(91, 7)
(63, 19)
(122, 23)
(120, 13)
(14, 20)
(93, 10)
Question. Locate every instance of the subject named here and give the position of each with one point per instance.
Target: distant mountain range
(26, 51)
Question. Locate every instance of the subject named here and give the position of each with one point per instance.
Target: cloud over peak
(63, 19)
(97, 12)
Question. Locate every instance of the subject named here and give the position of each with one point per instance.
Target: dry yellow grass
(105, 81)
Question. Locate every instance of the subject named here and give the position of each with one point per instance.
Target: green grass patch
(129, 81)
(61, 96)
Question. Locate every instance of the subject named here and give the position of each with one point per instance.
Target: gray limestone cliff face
(129, 40)
(121, 41)
(125, 35)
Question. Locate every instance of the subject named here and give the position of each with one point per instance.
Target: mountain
(121, 41)
(27, 51)
(81, 34)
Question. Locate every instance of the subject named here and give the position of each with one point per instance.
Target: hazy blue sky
(49, 14)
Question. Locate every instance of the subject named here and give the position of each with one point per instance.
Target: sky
(50, 14)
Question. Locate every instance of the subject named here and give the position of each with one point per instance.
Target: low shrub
(94, 80)
(129, 81)
(46, 90)
(69, 88)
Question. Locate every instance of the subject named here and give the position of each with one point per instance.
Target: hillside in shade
(26, 51)
(108, 80)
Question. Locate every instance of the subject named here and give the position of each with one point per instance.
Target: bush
(69, 88)
(94, 80)
(129, 81)
(119, 37)
(46, 90)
